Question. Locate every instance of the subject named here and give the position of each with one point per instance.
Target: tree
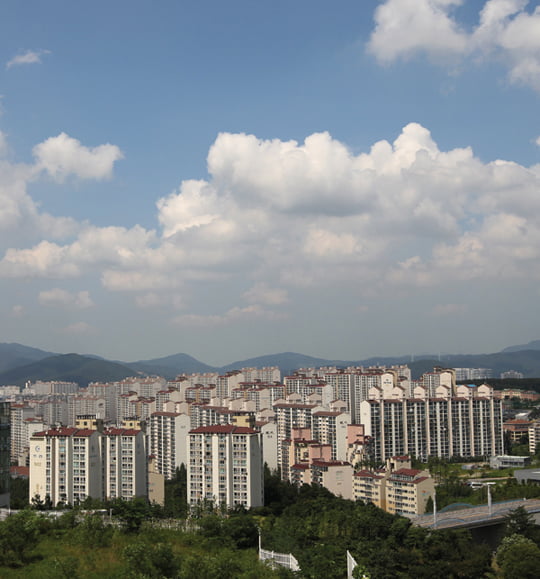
(518, 558)
(520, 522)
(92, 531)
(146, 560)
(19, 535)
(132, 513)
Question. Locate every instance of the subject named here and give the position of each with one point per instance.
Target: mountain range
(19, 364)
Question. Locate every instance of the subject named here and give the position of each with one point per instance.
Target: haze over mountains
(19, 363)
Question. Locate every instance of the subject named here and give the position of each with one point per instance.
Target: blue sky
(232, 179)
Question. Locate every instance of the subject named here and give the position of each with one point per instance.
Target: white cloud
(63, 155)
(274, 215)
(406, 27)
(61, 298)
(27, 57)
(505, 32)
(538, 141)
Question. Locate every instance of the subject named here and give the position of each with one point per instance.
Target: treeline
(143, 541)
(507, 383)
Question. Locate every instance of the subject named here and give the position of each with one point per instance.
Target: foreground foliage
(311, 523)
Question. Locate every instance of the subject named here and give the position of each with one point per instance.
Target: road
(475, 516)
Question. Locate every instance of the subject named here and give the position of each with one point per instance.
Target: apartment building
(408, 491)
(65, 465)
(124, 463)
(70, 464)
(397, 488)
(168, 441)
(55, 387)
(467, 424)
(534, 436)
(289, 416)
(370, 487)
(24, 423)
(225, 466)
(5, 449)
(330, 427)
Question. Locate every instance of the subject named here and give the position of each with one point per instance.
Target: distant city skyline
(232, 180)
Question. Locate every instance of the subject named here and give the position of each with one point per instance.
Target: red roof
(223, 429)
(121, 432)
(19, 471)
(62, 431)
(412, 472)
(367, 474)
(319, 462)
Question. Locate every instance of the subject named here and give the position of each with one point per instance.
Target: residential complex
(320, 426)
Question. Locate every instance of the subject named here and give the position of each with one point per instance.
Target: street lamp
(488, 484)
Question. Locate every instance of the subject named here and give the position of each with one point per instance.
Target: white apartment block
(41, 388)
(65, 464)
(289, 416)
(534, 436)
(204, 378)
(124, 463)
(70, 464)
(330, 427)
(227, 382)
(225, 466)
(53, 409)
(168, 441)
(18, 414)
(467, 424)
(24, 424)
(107, 392)
(85, 404)
(267, 374)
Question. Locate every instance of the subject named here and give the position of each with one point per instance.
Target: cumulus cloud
(276, 215)
(63, 155)
(57, 297)
(27, 57)
(406, 27)
(506, 31)
(21, 218)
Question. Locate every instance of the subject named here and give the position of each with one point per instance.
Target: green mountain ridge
(87, 368)
(67, 368)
